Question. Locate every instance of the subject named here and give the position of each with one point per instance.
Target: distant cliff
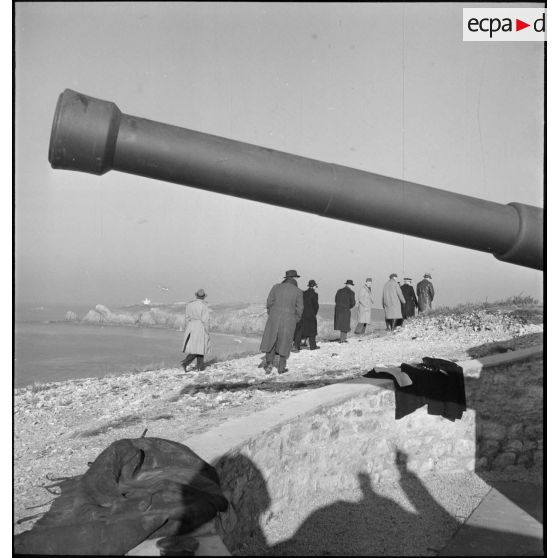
(239, 319)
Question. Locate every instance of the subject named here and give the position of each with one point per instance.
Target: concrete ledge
(473, 368)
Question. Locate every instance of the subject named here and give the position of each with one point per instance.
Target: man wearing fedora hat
(411, 302)
(307, 327)
(344, 301)
(284, 310)
(196, 334)
(425, 293)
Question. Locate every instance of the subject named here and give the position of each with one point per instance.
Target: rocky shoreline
(60, 427)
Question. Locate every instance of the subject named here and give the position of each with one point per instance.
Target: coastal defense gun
(94, 136)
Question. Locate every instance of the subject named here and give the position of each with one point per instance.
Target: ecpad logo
(504, 24)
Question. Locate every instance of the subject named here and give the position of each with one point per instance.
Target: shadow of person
(400, 524)
(245, 488)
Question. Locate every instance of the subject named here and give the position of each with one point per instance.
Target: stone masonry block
(493, 430)
(503, 460)
(534, 431)
(513, 446)
(515, 431)
(489, 448)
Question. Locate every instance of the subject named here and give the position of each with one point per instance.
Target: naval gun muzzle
(94, 136)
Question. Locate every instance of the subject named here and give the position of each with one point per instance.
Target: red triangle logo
(519, 25)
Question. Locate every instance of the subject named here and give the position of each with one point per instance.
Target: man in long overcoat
(411, 302)
(344, 301)
(365, 302)
(425, 293)
(196, 333)
(392, 297)
(307, 327)
(284, 309)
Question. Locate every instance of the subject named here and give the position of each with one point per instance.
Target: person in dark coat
(284, 309)
(344, 301)
(307, 327)
(425, 293)
(411, 302)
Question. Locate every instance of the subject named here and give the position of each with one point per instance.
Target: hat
(407, 279)
(349, 282)
(368, 279)
(200, 293)
(392, 275)
(427, 276)
(291, 273)
(312, 283)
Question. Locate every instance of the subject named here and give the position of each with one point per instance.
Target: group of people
(292, 316)
(400, 301)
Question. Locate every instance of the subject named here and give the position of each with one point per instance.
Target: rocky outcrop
(103, 315)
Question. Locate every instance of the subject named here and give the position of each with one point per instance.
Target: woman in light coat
(365, 302)
(196, 335)
(392, 297)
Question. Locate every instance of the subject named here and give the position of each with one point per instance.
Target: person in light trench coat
(196, 342)
(365, 302)
(392, 297)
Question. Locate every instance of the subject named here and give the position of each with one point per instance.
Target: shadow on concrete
(525, 495)
(272, 385)
(508, 345)
(375, 525)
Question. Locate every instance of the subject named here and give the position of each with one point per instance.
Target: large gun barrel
(92, 135)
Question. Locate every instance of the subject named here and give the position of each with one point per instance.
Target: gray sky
(387, 88)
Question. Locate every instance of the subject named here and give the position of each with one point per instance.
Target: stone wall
(508, 401)
(323, 440)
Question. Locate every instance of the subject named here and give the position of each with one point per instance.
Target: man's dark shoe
(314, 348)
(268, 368)
(282, 371)
(295, 350)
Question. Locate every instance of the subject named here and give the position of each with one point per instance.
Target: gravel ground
(60, 427)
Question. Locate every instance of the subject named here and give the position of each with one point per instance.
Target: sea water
(47, 349)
